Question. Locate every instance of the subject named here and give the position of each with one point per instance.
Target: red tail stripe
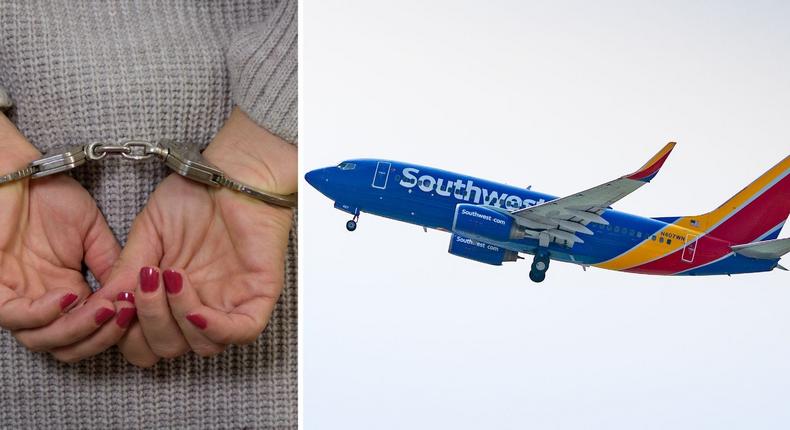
(770, 209)
(759, 216)
(708, 249)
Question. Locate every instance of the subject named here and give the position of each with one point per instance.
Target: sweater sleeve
(262, 62)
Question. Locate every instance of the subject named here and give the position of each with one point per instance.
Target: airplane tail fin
(756, 213)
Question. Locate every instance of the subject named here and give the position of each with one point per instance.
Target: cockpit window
(347, 166)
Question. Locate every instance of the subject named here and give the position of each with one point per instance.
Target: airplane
(493, 223)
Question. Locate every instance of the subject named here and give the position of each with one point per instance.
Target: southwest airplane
(492, 223)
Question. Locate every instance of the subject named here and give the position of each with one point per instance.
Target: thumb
(17, 151)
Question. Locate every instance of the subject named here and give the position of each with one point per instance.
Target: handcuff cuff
(182, 159)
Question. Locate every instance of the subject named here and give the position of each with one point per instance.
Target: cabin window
(653, 237)
(631, 232)
(347, 166)
(410, 181)
(617, 229)
(639, 234)
(660, 240)
(669, 241)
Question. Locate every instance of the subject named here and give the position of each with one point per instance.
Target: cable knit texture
(81, 71)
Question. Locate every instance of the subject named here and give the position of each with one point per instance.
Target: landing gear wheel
(539, 266)
(351, 225)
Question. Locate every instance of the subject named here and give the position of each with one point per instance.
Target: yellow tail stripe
(652, 250)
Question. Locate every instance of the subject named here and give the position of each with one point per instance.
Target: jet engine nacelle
(480, 221)
(480, 251)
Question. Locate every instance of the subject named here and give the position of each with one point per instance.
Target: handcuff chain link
(129, 149)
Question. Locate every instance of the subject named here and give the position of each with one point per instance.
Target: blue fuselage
(428, 197)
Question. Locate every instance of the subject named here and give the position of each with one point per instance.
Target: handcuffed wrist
(183, 160)
(253, 155)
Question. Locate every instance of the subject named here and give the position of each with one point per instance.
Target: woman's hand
(48, 227)
(206, 265)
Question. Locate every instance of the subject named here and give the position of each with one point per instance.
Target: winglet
(650, 169)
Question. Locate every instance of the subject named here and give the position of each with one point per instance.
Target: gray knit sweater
(82, 71)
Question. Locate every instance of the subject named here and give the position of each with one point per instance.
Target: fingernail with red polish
(103, 314)
(197, 320)
(67, 301)
(125, 317)
(149, 279)
(126, 296)
(173, 281)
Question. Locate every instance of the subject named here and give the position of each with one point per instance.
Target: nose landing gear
(539, 266)
(351, 225)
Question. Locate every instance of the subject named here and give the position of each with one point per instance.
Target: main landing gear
(539, 266)
(351, 225)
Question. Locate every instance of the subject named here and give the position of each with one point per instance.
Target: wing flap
(574, 212)
(765, 250)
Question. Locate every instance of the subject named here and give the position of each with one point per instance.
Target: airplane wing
(560, 219)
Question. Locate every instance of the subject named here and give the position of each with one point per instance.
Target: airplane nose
(314, 177)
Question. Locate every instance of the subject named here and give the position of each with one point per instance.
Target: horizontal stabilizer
(765, 250)
(666, 219)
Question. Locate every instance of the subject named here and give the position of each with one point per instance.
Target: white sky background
(399, 334)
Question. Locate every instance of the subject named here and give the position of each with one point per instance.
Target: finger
(160, 329)
(107, 336)
(135, 349)
(241, 326)
(101, 248)
(183, 299)
(69, 328)
(18, 313)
